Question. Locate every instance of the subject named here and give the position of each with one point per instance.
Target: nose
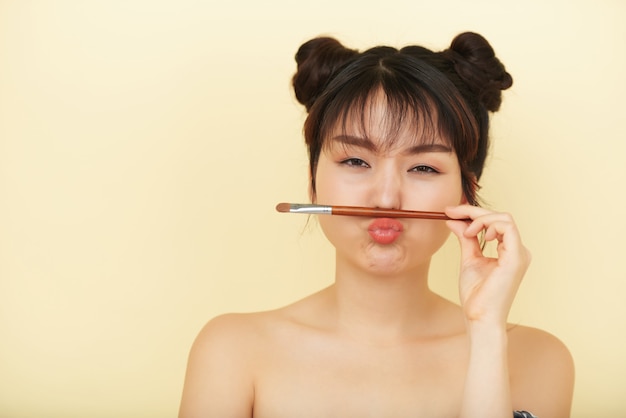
(386, 191)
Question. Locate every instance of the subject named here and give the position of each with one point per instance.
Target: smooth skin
(378, 342)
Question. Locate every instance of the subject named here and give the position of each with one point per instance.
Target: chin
(386, 259)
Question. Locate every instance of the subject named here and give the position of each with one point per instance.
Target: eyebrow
(368, 144)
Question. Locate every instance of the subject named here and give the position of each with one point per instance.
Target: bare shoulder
(236, 331)
(234, 337)
(529, 345)
(229, 328)
(219, 378)
(242, 334)
(542, 372)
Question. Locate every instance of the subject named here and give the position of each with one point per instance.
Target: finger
(498, 226)
(466, 211)
(481, 218)
(510, 247)
(488, 221)
(470, 246)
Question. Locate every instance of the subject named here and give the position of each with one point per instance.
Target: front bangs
(404, 110)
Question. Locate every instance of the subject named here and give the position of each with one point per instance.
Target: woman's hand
(488, 285)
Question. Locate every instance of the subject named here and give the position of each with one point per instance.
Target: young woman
(402, 129)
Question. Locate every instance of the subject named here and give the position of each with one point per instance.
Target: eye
(355, 162)
(423, 169)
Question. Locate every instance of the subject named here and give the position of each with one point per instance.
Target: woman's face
(357, 168)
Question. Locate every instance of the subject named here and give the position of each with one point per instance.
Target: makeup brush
(358, 211)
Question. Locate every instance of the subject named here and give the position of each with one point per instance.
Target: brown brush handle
(386, 213)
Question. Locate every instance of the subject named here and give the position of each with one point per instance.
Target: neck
(387, 307)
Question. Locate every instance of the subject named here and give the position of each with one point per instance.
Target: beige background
(144, 145)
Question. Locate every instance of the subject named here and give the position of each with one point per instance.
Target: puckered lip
(379, 224)
(385, 231)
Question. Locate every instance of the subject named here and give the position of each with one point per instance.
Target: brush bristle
(283, 207)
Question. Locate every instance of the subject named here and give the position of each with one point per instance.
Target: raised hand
(487, 285)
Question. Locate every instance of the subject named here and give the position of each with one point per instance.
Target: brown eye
(423, 169)
(355, 162)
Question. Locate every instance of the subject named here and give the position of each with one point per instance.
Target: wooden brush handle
(386, 213)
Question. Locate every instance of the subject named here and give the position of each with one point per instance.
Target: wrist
(490, 333)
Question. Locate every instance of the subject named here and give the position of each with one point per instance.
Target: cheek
(323, 191)
(328, 187)
(434, 196)
(337, 230)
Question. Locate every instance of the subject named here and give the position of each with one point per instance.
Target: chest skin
(313, 374)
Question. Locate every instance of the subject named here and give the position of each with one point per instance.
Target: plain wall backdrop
(145, 143)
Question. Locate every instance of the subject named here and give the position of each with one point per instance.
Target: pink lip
(385, 230)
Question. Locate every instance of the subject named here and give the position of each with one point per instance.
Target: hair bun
(477, 65)
(317, 60)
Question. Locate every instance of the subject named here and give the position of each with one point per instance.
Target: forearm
(487, 388)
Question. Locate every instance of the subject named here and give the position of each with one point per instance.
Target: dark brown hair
(448, 92)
